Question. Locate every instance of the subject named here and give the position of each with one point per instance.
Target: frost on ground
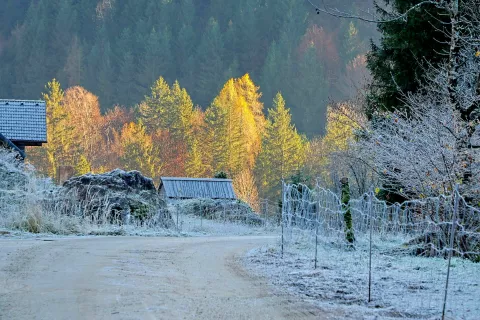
(112, 204)
(403, 286)
(193, 225)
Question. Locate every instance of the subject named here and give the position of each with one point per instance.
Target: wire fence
(418, 259)
(222, 216)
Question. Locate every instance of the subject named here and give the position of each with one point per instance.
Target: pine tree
(179, 118)
(36, 74)
(127, 91)
(59, 131)
(234, 124)
(139, 152)
(351, 45)
(65, 24)
(309, 92)
(156, 60)
(407, 46)
(152, 111)
(125, 43)
(271, 73)
(210, 63)
(149, 70)
(246, 35)
(283, 149)
(222, 125)
(252, 95)
(253, 119)
(73, 69)
(278, 68)
(184, 46)
(194, 165)
(106, 73)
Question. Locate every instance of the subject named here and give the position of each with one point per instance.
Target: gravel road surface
(138, 278)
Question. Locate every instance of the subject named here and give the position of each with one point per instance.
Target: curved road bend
(137, 278)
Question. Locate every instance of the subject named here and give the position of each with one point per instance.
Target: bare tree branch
(397, 17)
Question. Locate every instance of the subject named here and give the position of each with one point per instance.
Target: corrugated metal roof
(23, 120)
(188, 188)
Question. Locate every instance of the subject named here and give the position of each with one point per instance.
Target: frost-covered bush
(116, 197)
(32, 204)
(226, 210)
(23, 198)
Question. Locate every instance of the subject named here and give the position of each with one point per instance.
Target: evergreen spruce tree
(283, 149)
(124, 43)
(351, 45)
(179, 118)
(271, 73)
(150, 64)
(152, 111)
(247, 37)
(59, 131)
(36, 74)
(194, 166)
(278, 69)
(93, 65)
(184, 46)
(310, 101)
(235, 123)
(407, 46)
(127, 90)
(72, 72)
(210, 63)
(106, 73)
(223, 126)
(65, 24)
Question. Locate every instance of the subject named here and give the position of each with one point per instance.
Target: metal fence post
(450, 248)
(316, 240)
(266, 213)
(224, 215)
(178, 209)
(282, 213)
(370, 194)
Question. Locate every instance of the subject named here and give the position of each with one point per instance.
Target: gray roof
(23, 120)
(197, 188)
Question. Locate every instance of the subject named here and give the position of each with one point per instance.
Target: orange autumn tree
(168, 114)
(111, 131)
(86, 120)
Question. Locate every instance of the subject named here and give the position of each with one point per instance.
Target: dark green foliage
(300, 178)
(309, 103)
(349, 235)
(209, 77)
(406, 48)
(221, 175)
(140, 212)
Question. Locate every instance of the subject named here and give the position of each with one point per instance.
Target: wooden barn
(172, 188)
(22, 123)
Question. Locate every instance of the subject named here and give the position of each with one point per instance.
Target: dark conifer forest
(117, 49)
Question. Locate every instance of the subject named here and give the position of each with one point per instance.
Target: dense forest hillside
(117, 49)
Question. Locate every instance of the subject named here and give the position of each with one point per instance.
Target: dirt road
(137, 278)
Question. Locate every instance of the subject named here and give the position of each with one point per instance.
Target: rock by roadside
(117, 196)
